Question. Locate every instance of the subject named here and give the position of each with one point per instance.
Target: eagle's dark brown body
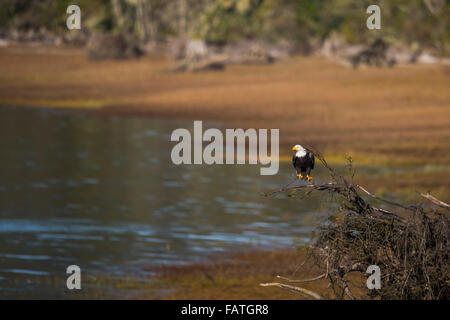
(304, 164)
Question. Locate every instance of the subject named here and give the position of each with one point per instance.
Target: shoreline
(239, 276)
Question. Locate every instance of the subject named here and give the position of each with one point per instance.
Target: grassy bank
(237, 276)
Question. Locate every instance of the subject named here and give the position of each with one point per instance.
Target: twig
(389, 213)
(269, 194)
(346, 288)
(305, 280)
(348, 292)
(329, 186)
(299, 266)
(435, 200)
(383, 211)
(434, 9)
(384, 200)
(293, 288)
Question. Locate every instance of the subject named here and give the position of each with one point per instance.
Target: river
(101, 192)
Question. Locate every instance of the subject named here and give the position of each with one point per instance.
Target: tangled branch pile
(410, 245)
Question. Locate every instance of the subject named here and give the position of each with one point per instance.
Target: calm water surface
(102, 193)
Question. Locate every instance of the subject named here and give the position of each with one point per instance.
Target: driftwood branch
(293, 288)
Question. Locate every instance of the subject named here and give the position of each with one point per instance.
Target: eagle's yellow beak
(294, 148)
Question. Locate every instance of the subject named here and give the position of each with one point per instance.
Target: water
(102, 193)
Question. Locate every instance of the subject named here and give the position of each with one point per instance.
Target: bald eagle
(303, 161)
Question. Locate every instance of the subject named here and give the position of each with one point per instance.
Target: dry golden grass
(398, 116)
(391, 113)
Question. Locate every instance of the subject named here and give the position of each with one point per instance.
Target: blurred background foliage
(421, 23)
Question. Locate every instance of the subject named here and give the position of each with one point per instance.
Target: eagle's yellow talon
(308, 178)
(300, 176)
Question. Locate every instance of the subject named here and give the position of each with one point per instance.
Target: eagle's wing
(311, 155)
(294, 159)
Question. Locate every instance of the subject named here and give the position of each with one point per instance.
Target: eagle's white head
(301, 152)
(297, 147)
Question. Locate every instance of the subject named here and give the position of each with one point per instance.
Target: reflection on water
(102, 193)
